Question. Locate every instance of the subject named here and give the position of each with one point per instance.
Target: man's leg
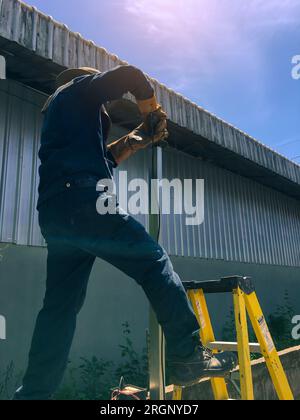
(134, 252)
(148, 263)
(123, 242)
(68, 271)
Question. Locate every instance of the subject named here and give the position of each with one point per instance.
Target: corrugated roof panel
(53, 40)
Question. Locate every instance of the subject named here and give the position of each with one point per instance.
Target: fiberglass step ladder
(245, 300)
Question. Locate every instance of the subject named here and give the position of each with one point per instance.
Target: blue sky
(232, 57)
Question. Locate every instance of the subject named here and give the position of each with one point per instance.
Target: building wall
(20, 126)
(113, 299)
(244, 221)
(248, 230)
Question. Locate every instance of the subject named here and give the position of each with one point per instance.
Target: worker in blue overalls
(74, 157)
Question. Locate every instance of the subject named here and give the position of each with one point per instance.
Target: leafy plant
(94, 378)
(279, 324)
(134, 366)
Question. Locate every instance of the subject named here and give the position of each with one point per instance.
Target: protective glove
(153, 120)
(139, 139)
(144, 136)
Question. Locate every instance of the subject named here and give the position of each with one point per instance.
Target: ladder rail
(246, 380)
(278, 376)
(207, 335)
(245, 301)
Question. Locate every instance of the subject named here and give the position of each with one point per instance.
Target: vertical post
(157, 353)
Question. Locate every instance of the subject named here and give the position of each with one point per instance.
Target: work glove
(151, 132)
(152, 114)
(153, 120)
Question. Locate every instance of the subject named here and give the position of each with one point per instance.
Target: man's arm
(139, 139)
(115, 83)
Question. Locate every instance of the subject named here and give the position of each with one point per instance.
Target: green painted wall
(114, 298)
(271, 282)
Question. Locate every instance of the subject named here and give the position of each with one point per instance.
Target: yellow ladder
(245, 300)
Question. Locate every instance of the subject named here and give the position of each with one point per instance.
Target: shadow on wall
(113, 298)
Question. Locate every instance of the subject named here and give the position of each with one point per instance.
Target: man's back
(73, 140)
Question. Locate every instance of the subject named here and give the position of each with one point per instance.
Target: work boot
(202, 363)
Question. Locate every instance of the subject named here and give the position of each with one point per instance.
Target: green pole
(156, 345)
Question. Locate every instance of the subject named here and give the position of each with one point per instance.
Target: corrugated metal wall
(20, 124)
(244, 221)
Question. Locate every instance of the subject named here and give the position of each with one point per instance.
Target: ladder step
(227, 346)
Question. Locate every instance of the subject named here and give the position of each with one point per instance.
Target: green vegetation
(94, 378)
(279, 324)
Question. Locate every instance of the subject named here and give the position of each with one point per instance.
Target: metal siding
(244, 221)
(20, 125)
(53, 40)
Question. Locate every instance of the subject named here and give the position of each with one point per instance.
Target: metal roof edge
(53, 40)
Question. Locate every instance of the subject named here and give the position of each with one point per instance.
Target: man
(74, 156)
